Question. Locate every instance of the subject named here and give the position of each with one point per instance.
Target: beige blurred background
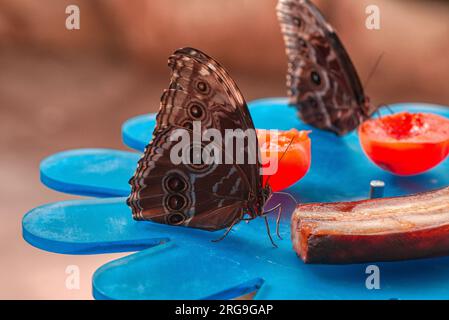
(62, 89)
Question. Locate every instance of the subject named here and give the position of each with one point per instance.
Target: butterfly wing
(322, 81)
(199, 195)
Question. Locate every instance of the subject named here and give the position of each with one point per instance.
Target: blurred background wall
(62, 89)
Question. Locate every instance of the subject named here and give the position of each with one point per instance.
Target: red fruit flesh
(405, 143)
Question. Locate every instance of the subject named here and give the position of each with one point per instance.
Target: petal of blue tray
(91, 172)
(106, 225)
(96, 226)
(339, 170)
(137, 131)
(88, 227)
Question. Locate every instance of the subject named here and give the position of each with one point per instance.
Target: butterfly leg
(227, 231)
(268, 231)
(278, 219)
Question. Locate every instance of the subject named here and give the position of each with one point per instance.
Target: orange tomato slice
(283, 163)
(406, 143)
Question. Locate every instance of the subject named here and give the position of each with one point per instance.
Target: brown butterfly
(197, 194)
(321, 79)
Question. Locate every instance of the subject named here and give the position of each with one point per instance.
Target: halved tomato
(406, 143)
(284, 163)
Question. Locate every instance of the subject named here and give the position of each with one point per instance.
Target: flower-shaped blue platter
(182, 263)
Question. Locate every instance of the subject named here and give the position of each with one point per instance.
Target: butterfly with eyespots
(321, 79)
(197, 195)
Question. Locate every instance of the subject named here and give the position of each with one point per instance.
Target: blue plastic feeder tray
(182, 263)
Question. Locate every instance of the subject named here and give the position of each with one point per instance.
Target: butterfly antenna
(378, 112)
(388, 108)
(288, 195)
(268, 232)
(280, 159)
(373, 70)
(272, 209)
